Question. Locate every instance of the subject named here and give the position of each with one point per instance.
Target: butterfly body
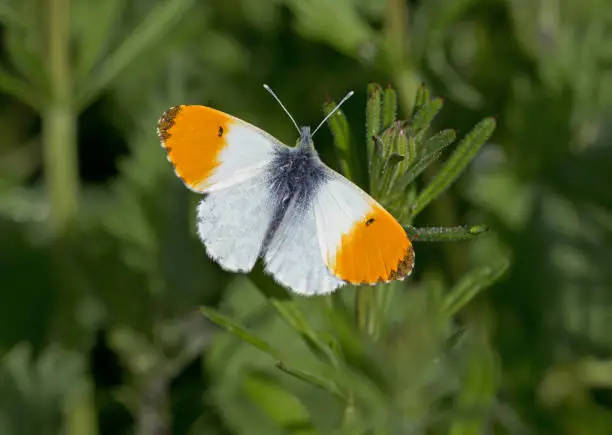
(314, 230)
(294, 176)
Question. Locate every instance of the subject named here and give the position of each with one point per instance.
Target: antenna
(267, 88)
(346, 97)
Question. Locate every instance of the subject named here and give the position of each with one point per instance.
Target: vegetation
(481, 125)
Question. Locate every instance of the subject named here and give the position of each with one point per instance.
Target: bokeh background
(102, 275)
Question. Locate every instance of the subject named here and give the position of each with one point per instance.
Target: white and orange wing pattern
(211, 150)
(220, 155)
(360, 242)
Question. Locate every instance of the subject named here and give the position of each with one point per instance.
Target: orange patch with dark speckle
(190, 135)
(375, 250)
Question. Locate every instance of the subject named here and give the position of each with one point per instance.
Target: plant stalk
(60, 120)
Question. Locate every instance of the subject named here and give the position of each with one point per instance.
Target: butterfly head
(306, 142)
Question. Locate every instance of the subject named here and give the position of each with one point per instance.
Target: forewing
(211, 150)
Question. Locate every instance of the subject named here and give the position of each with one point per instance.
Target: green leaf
(456, 164)
(266, 391)
(479, 385)
(377, 167)
(470, 285)
(394, 140)
(21, 89)
(373, 120)
(395, 150)
(10, 17)
(292, 315)
(439, 141)
(422, 97)
(355, 343)
(312, 379)
(426, 114)
(26, 45)
(140, 39)
(435, 146)
(421, 121)
(445, 234)
(233, 327)
(340, 131)
(91, 40)
(389, 107)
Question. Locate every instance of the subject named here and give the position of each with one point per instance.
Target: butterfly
(313, 228)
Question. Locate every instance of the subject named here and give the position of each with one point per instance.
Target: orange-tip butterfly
(314, 229)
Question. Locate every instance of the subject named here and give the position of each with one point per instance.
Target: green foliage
(103, 276)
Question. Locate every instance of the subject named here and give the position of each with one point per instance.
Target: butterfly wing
(360, 242)
(340, 235)
(211, 150)
(233, 222)
(292, 255)
(226, 158)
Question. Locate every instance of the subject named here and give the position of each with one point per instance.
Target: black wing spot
(370, 222)
(220, 131)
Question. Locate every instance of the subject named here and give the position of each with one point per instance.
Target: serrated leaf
(456, 164)
(470, 285)
(239, 331)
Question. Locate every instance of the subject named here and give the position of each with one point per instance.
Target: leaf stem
(445, 234)
(59, 120)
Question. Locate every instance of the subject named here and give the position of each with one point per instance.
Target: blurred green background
(102, 275)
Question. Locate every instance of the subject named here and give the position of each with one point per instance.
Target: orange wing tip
(399, 273)
(357, 262)
(193, 137)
